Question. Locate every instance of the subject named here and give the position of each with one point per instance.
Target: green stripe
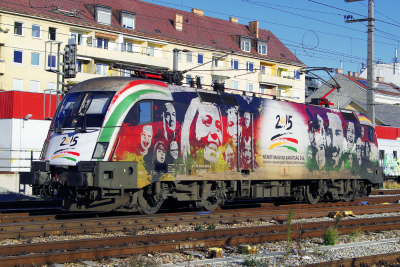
(109, 128)
(69, 158)
(291, 148)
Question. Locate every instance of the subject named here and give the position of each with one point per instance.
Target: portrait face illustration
(247, 150)
(145, 138)
(232, 128)
(334, 134)
(173, 149)
(246, 119)
(160, 153)
(320, 147)
(170, 116)
(209, 131)
(230, 157)
(350, 135)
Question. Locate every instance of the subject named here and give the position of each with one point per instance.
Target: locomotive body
(131, 144)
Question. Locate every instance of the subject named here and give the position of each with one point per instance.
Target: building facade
(138, 35)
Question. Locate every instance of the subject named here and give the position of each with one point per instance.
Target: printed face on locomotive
(334, 135)
(145, 138)
(170, 117)
(232, 128)
(230, 157)
(160, 152)
(174, 149)
(209, 131)
(350, 135)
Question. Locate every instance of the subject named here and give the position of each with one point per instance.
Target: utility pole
(370, 59)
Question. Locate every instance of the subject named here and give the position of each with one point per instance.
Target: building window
(297, 74)
(127, 47)
(52, 34)
(18, 84)
(249, 87)
(18, 57)
(245, 45)
(217, 63)
(188, 79)
(35, 57)
(250, 66)
(128, 22)
(200, 58)
(52, 87)
(150, 51)
(179, 55)
(79, 66)
(380, 73)
(262, 89)
(235, 85)
(101, 69)
(262, 69)
(35, 86)
(102, 43)
(262, 49)
(234, 64)
(18, 28)
(297, 94)
(77, 37)
(189, 57)
(51, 62)
(282, 72)
(36, 31)
(126, 73)
(103, 15)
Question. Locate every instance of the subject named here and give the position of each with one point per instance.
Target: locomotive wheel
(348, 195)
(312, 195)
(209, 196)
(149, 204)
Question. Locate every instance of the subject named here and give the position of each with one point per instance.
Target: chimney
(234, 20)
(178, 19)
(356, 74)
(198, 11)
(380, 79)
(339, 71)
(253, 27)
(350, 73)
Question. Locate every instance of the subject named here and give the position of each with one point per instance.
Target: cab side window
(371, 134)
(145, 112)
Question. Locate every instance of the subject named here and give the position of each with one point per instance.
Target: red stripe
(287, 139)
(68, 152)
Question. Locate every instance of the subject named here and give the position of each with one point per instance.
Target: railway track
(67, 251)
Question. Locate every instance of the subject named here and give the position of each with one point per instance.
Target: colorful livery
(131, 144)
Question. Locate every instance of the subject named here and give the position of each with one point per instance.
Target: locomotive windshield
(81, 110)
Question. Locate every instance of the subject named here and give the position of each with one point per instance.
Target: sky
(314, 30)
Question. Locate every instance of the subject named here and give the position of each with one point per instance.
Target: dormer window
(245, 44)
(103, 15)
(262, 47)
(128, 20)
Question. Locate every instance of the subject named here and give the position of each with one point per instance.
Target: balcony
(286, 81)
(118, 52)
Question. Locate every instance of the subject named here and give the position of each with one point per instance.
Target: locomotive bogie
(131, 144)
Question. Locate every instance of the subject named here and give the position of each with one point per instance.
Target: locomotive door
(245, 151)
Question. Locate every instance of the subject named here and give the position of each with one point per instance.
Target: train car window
(145, 112)
(230, 100)
(371, 134)
(349, 116)
(212, 98)
(381, 154)
(395, 154)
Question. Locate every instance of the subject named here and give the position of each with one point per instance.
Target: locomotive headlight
(100, 150)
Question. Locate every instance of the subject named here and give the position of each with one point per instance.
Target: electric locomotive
(131, 144)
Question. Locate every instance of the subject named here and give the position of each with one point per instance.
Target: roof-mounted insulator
(217, 86)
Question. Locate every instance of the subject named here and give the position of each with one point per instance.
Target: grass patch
(355, 235)
(331, 235)
(391, 185)
(288, 231)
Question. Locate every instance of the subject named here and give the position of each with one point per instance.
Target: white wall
(17, 135)
(391, 72)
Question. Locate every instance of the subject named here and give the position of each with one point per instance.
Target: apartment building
(135, 34)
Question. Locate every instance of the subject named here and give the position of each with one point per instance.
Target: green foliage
(211, 227)
(198, 227)
(355, 235)
(137, 260)
(252, 261)
(331, 235)
(288, 231)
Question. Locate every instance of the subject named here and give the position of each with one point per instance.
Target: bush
(211, 227)
(330, 236)
(355, 235)
(252, 261)
(391, 185)
(198, 227)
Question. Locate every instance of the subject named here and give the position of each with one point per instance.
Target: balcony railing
(279, 80)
